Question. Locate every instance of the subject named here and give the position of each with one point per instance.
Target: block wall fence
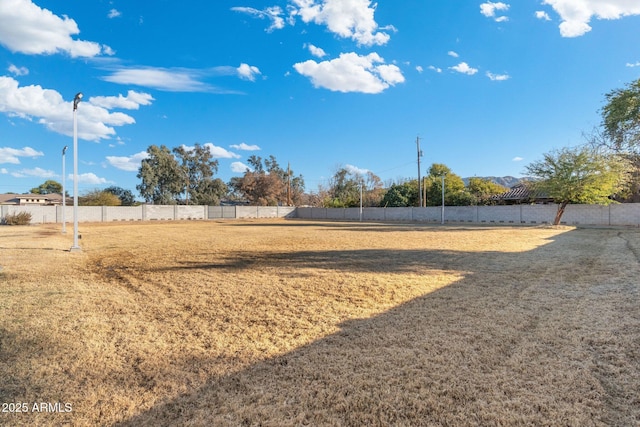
(618, 214)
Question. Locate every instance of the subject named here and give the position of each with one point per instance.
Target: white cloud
(352, 73)
(29, 29)
(316, 51)
(498, 77)
(248, 72)
(132, 101)
(489, 10)
(576, 15)
(452, 53)
(4, 171)
(179, 79)
(114, 13)
(389, 28)
(632, 65)
(517, 159)
(11, 155)
(130, 163)
(352, 19)
(108, 51)
(166, 79)
(18, 71)
(52, 111)
(436, 69)
(464, 68)
(419, 69)
(239, 167)
(217, 152)
(540, 14)
(354, 170)
(90, 178)
(37, 172)
(274, 14)
(245, 147)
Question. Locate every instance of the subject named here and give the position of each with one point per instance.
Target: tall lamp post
(419, 180)
(361, 185)
(442, 215)
(64, 197)
(76, 101)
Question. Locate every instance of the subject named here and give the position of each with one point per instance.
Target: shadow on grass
(517, 348)
(369, 226)
(359, 260)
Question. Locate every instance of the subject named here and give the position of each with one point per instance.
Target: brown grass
(280, 323)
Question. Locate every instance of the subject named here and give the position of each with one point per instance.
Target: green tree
(579, 175)
(401, 195)
(455, 193)
(126, 196)
(99, 198)
(621, 132)
(268, 184)
(481, 190)
(197, 175)
(293, 186)
(162, 178)
(344, 189)
(373, 191)
(621, 118)
(48, 187)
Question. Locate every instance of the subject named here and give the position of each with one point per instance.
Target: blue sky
(319, 84)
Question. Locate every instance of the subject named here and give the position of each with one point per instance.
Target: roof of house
(15, 198)
(4, 198)
(522, 191)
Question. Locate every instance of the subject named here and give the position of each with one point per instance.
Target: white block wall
(620, 214)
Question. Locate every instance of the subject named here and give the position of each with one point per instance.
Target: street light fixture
(64, 198)
(76, 101)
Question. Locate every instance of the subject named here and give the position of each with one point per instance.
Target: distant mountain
(505, 181)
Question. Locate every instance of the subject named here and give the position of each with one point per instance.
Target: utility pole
(424, 190)
(419, 180)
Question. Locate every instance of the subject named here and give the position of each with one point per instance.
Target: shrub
(22, 218)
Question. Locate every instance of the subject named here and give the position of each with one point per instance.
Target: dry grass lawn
(290, 323)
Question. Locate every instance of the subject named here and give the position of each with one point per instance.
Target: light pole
(442, 199)
(76, 101)
(64, 197)
(361, 185)
(419, 180)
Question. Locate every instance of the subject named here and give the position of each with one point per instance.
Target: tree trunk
(561, 208)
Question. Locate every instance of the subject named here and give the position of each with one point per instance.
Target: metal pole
(419, 181)
(361, 185)
(76, 100)
(64, 198)
(442, 214)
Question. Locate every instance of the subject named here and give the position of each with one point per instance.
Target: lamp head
(64, 150)
(76, 100)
